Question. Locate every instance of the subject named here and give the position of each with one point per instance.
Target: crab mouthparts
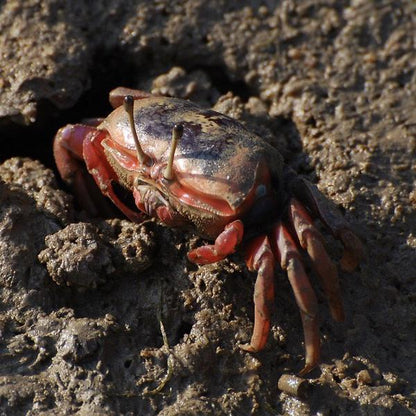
(202, 201)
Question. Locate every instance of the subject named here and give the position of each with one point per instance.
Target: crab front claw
(224, 245)
(77, 151)
(68, 149)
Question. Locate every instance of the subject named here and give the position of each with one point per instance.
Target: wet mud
(101, 316)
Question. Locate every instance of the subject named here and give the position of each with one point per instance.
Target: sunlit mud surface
(331, 85)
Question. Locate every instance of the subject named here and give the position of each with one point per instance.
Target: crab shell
(221, 170)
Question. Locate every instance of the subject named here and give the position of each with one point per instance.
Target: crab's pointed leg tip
(307, 369)
(349, 262)
(351, 258)
(247, 348)
(354, 251)
(338, 313)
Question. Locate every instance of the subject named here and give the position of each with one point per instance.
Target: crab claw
(224, 245)
(68, 152)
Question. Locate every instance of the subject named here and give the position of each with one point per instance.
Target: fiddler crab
(198, 169)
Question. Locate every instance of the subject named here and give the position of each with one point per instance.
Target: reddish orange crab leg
(68, 153)
(224, 245)
(76, 143)
(312, 241)
(103, 173)
(260, 257)
(290, 260)
(353, 250)
(309, 195)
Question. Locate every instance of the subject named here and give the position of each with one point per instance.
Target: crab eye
(261, 191)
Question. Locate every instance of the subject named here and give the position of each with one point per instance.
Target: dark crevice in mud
(35, 140)
(223, 83)
(183, 329)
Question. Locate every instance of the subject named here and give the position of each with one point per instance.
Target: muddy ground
(331, 84)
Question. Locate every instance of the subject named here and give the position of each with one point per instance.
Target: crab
(195, 168)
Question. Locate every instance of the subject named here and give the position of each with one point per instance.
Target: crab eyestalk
(128, 106)
(177, 132)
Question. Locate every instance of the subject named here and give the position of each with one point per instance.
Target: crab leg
(224, 245)
(75, 144)
(260, 257)
(68, 153)
(117, 95)
(321, 208)
(312, 241)
(290, 260)
(103, 173)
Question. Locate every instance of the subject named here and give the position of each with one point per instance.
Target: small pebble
(364, 377)
(293, 385)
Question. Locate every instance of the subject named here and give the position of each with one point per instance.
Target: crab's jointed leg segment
(353, 250)
(224, 245)
(98, 166)
(290, 260)
(259, 256)
(309, 195)
(77, 147)
(68, 149)
(312, 241)
(117, 96)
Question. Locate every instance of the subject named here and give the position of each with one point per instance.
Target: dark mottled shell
(217, 155)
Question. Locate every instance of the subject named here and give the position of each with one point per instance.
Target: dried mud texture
(332, 86)
(43, 57)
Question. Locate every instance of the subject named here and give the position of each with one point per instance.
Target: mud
(331, 85)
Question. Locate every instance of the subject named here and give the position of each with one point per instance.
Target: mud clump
(76, 253)
(79, 256)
